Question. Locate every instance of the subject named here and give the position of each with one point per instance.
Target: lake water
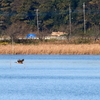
(50, 77)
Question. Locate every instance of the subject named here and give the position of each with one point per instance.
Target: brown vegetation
(52, 49)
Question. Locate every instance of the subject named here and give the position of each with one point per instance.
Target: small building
(58, 33)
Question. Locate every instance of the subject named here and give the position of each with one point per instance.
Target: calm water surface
(50, 77)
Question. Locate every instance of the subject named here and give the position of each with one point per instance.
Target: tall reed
(52, 49)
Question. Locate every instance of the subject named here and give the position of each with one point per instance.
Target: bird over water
(20, 61)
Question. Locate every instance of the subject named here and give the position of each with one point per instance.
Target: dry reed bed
(51, 49)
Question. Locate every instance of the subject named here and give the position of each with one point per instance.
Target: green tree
(6, 12)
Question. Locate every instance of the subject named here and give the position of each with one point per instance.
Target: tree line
(20, 16)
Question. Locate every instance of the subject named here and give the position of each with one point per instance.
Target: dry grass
(52, 49)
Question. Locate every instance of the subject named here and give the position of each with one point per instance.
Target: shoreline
(51, 49)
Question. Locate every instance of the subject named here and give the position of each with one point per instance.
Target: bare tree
(96, 32)
(17, 29)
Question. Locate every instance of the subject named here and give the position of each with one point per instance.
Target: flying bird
(20, 61)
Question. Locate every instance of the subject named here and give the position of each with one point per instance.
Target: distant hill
(52, 15)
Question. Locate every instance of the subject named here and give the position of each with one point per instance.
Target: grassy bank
(52, 49)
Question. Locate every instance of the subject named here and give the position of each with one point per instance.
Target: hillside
(22, 16)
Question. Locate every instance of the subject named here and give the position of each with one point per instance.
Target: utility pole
(70, 21)
(37, 15)
(84, 18)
